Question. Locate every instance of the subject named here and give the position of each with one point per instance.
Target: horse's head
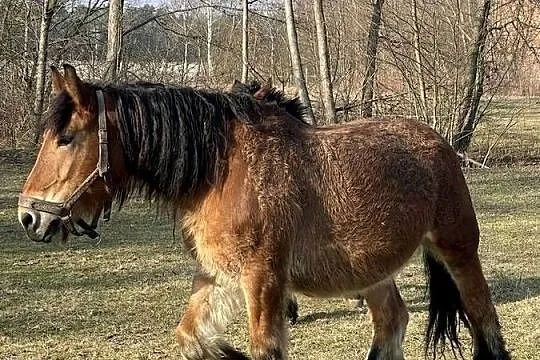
(66, 187)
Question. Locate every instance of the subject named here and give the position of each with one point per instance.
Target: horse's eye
(65, 139)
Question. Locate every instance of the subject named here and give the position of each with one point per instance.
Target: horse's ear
(264, 90)
(74, 85)
(58, 82)
(268, 83)
(235, 85)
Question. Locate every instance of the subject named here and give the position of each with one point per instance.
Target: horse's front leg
(265, 292)
(210, 307)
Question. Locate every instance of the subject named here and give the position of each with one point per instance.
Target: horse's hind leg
(461, 260)
(292, 308)
(210, 307)
(390, 317)
(356, 301)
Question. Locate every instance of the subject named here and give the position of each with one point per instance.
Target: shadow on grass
(508, 289)
(504, 289)
(323, 315)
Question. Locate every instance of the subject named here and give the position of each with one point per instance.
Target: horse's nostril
(27, 220)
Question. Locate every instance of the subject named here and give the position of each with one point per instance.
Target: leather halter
(63, 209)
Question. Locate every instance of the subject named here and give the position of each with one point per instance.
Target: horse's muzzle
(41, 227)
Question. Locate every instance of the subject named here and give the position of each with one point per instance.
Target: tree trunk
(26, 44)
(114, 39)
(324, 68)
(245, 10)
(49, 7)
(185, 64)
(209, 34)
(371, 59)
(419, 62)
(469, 111)
(295, 59)
(272, 55)
(3, 23)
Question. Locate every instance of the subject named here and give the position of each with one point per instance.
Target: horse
(271, 205)
(294, 107)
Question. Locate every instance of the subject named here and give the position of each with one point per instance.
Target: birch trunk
(26, 45)
(419, 63)
(245, 10)
(114, 39)
(371, 59)
(209, 35)
(49, 7)
(475, 88)
(295, 59)
(324, 68)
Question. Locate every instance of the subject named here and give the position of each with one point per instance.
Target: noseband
(63, 210)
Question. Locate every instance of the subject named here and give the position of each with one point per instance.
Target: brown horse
(271, 205)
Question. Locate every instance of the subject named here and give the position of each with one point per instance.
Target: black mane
(175, 139)
(293, 106)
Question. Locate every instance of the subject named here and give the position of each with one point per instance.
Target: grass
(509, 133)
(121, 298)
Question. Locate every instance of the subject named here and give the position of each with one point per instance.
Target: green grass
(121, 298)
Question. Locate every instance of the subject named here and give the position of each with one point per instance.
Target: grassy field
(122, 297)
(509, 133)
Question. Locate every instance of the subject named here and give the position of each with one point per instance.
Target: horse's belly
(331, 267)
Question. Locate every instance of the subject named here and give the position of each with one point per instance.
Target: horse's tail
(445, 307)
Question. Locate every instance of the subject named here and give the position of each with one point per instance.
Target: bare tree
(295, 59)
(324, 68)
(209, 37)
(49, 6)
(475, 88)
(245, 12)
(417, 45)
(114, 39)
(371, 59)
(4, 20)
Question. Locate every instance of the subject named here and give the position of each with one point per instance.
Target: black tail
(445, 308)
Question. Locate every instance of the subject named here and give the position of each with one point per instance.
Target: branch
(356, 104)
(466, 159)
(157, 16)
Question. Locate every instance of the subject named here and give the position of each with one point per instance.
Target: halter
(63, 210)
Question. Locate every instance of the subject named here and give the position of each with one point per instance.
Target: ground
(121, 297)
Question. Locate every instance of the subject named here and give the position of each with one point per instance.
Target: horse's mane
(175, 139)
(293, 106)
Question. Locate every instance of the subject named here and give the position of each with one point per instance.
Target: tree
(209, 35)
(475, 88)
(245, 12)
(295, 59)
(324, 69)
(114, 39)
(371, 59)
(417, 45)
(49, 6)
